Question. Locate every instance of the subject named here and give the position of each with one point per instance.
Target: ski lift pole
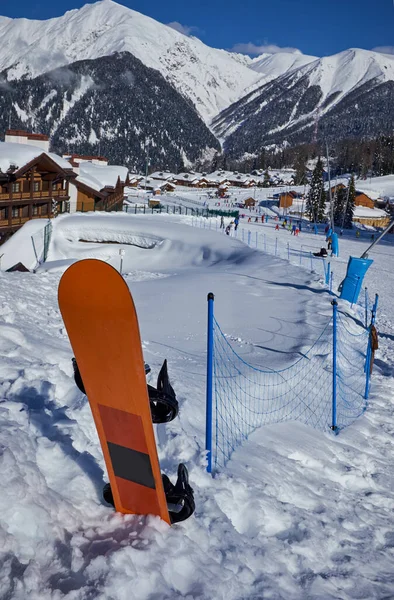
(367, 251)
(329, 189)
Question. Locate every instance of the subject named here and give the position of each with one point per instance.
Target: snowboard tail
(101, 321)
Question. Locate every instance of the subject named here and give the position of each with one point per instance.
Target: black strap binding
(180, 497)
(163, 403)
(164, 408)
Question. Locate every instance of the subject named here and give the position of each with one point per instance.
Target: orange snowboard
(101, 321)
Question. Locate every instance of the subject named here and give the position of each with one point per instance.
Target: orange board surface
(101, 321)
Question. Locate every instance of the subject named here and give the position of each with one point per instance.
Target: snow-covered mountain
(212, 79)
(112, 105)
(271, 99)
(348, 94)
(280, 63)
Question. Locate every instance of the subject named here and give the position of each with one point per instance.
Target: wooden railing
(36, 195)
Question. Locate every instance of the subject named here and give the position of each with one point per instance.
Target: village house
(188, 180)
(373, 217)
(34, 182)
(362, 199)
(98, 186)
(286, 199)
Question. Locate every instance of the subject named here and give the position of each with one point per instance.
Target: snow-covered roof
(21, 154)
(98, 177)
(165, 176)
(370, 213)
(189, 177)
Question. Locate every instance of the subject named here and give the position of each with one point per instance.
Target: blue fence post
(369, 350)
(366, 307)
(331, 281)
(208, 423)
(249, 236)
(334, 365)
(328, 273)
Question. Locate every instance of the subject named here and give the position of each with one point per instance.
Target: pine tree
(267, 179)
(351, 195)
(339, 202)
(316, 196)
(321, 209)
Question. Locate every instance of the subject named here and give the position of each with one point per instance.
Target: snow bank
(298, 514)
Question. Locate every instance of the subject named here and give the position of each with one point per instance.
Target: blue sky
(317, 27)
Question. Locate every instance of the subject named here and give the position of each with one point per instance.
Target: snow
(297, 514)
(21, 154)
(370, 213)
(211, 78)
(377, 187)
(100, 176)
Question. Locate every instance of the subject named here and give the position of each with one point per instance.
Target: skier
(277, 227)
(236, 223)
(222, 222)
(228, 229)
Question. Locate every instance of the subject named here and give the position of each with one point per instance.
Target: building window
(16, 186)
(36, 186)
(35, 210)
(15, 212)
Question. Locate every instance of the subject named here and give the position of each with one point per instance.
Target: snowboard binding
(164, 408)
(163, 403)
(180, 497)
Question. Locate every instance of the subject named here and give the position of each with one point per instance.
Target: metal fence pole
(310, 254)
(288, 251)
(334, 365)
(257, 243)
(328, 273)
(276, 246)
(208, 423)
(369, 350)
(366, 307)
(249, 236)
(331, 281)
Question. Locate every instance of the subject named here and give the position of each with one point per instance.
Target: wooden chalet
(107, 198)
(286, 199)
(249, 202)
(39, 188)
(362, 199)
(98, 186)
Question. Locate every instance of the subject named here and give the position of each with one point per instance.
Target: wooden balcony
(58, 194)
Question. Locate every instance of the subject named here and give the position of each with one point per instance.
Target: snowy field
(297, 515)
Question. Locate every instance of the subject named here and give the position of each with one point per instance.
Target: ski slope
(298, 514)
